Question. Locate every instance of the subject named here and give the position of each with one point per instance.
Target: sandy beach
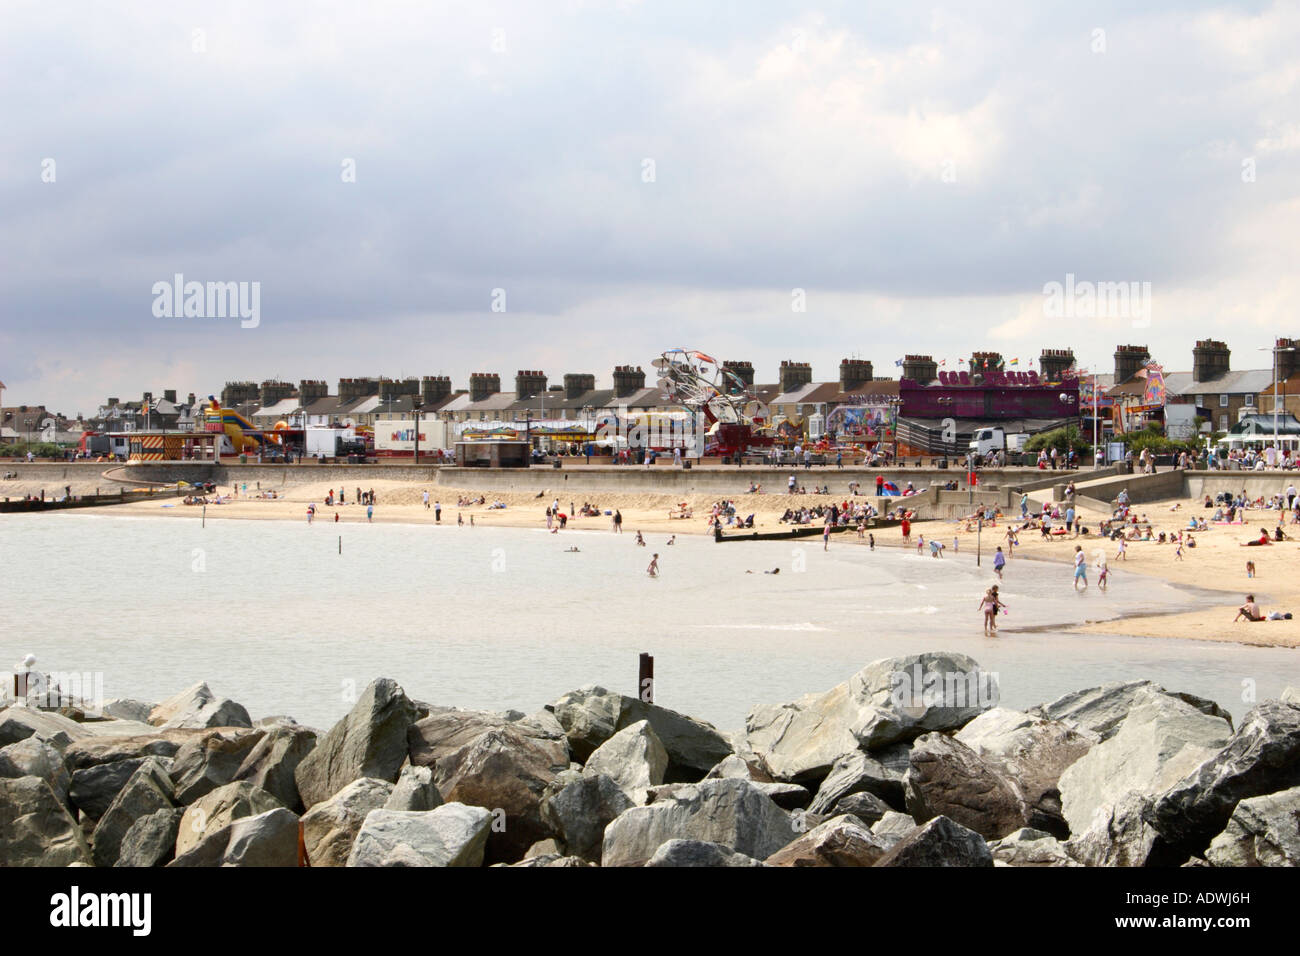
(1214, 571)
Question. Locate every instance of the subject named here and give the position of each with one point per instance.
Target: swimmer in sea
(672, 540)
(653, 569)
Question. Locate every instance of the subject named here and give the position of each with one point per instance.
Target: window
(1223, 401)
(1250, 400)
(1223, 423)
(1200, 401)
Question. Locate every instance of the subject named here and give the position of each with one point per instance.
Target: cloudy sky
(635, 176)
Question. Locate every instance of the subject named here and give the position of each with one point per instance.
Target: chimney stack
(273, 391)
(1052, 363)
(238, 393)
(628, 380)
(794, 375)
(1287, 362)
(1129, 360)
(854, 373)
(350, 389)
(575, 383)
(743, 371)
(169, 395)
(311, 390)
(435, 388)
(483, 384)
(1209, 360)
(922, 369)
(529, 383)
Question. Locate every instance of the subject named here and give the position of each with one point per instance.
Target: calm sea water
(271, 614)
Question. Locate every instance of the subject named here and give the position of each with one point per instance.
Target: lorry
(987, 440)
(326, 440)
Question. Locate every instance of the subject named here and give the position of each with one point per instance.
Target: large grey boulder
(732, 812)
(198, 707)
(218, 809)
(947, 778)
(892, 827)
(578, 808)
(151, 840)
(273, 762)
(415, 790)
(445, 730)
(94, 789)
(93, 750)
(1262, 757)
(509, 771)
(369, 742)
(1263, 831)
(1102, 710)
(204, 763)
(699, 853)
(633, 758)
(1117, 835)
(1161, 741)
(890, 700)
(450, 835)
(1033, 752)
(35, 758)
(148, 790)
(35, 826)
(330, 828)
(746, 766)
(867, 807)
(19, 722)
(1029, 847)
(124, 708)
(591, 715)
(843, 841)
(268, 839)
(940, 842)
(860, 772)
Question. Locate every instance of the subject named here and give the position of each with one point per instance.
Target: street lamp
(1275, 349)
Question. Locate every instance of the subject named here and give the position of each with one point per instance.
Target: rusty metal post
(646, 679)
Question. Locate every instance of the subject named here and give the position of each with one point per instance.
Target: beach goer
(871, 541)
(999, 562)
(989, 605)
(460, 519)
(370, 512)
(1103, 572)
(1080, 568)
(437, 512)
(1250, 610)
(1250, 569)
(1122, 550)
(640, 540)
(653, 569)
(826, 534)
(425, 495)
(311, 512)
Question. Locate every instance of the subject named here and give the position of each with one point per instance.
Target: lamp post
(416, 403)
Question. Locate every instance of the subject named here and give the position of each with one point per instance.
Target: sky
(441, 188)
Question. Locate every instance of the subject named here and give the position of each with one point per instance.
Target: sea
(294, 619)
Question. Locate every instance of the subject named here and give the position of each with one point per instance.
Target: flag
(986, 363)
(898, 362)
(961, 361)
(1015, 361)
(943, 361)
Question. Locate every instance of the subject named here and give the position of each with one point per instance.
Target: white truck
(986, 440)
(325, 440)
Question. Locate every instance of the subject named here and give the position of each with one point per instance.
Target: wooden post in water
(340, 544)
(979, 535)
(205, 517)
(646, 679)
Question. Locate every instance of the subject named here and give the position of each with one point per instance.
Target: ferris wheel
(700, 382)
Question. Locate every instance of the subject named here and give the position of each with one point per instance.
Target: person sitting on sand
(1250, 610)
(1261, 540)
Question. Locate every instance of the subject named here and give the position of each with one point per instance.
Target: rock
(947, 778)
(330, 828)
(1262, 757)
(1117, 835)
(888, 701)
(859, 772)
(787, 796)
(549, 848)
(90, 751)
(369, 742)
(1263, 831)
(1029, 847)
(508, 770)
(197, 707)
(578, 811)
(415, 790)
(867, 807)
(1101, 710)
(151, 840)
(36, 828)
(1033, 752)
(550, 860)
(447, 729)
(94, 789)
(218, 809)
(843, 841)
(450, 835)
(892, 827)
(940, 842)
(1162, 740)
(699, 853)
(35, 758)
(148, 790)
(732, 812)
(268, 839)
(207, 762)
(125, 709)
(273, 762)
(633, 758)
(1291, 696)
(18, 723)
(748, 766)
(589, 717)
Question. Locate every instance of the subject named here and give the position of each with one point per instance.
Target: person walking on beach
(549, 518)
(618, 521)
(426, 501)
(999, 562)
(1122, 550)
(370, 512)
(826, 534)
(871, 542)
(460, 520)
(311, 512)
(989, 605)
(907, 530)
(1103, 572)
(653, 569)
(437, 512)
(791, 484)
(1080, 568)
(1024, 505)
